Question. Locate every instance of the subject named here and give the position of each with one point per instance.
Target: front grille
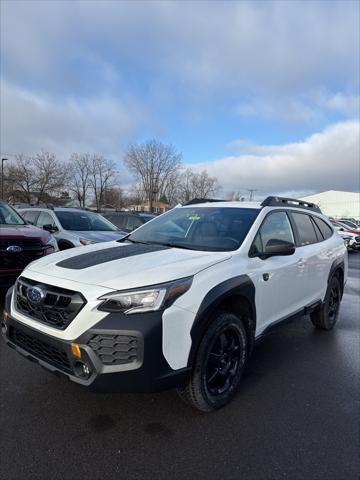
(30, 250)
(115, 349)
(40, 349)
(58, 307)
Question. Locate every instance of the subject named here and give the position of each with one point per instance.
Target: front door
(278, 280)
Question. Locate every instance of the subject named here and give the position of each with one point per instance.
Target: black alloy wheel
(223, 361)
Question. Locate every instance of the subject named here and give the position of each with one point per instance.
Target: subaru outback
(180, 301)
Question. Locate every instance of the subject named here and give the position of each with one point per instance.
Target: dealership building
(337, 204)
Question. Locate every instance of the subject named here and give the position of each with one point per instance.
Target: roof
(254, 205)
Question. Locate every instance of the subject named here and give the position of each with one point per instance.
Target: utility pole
(2, 176)
(251, 191)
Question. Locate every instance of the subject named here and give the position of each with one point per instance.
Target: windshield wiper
(126, 239)
(175, 245)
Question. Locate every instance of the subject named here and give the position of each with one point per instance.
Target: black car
(127, 221)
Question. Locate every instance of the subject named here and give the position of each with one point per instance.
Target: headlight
(148, 299)
(53, 244)
(85, 241)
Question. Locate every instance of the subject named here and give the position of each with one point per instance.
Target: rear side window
(324, 228)
(30, 216)
(305, 228)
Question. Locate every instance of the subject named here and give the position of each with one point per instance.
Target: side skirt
(290, 318)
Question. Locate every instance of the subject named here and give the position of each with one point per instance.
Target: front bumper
(120, 354)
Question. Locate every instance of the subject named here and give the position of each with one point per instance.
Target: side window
(30, 216)
(45, 219)
(276, 226)
(324, 228)
(305, 228)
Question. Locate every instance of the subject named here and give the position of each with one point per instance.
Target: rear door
(313, 251)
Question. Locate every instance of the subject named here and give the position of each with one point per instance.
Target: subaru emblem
(14, 249)
(35, 295)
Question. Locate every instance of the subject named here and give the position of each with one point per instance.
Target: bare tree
(114, 197)
(22, 176)
(79, 178)
(204, 185)
(170, 188)
(51, 175)
(196, 185)
(152, 163)
(102, 176)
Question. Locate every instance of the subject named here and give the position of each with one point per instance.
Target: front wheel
(326, 317)
(218, 364)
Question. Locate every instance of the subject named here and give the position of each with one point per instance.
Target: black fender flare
(239, 286)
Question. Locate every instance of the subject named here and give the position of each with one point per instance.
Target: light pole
(2, 177)
(251, 191)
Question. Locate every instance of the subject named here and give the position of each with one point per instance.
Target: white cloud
(328, 160)
(272, 47)
(30, 122)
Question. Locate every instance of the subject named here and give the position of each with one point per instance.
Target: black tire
(65, 245)
(326, 317)
(218, 364)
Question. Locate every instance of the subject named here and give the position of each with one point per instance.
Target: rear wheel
(218, 364)
(326, 317)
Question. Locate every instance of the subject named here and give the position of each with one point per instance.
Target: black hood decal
(90, 259)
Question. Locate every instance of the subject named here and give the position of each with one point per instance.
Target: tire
(218, 364)
(65, 245)
(326, 317)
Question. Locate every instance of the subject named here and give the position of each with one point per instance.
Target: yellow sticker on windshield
(194, 217)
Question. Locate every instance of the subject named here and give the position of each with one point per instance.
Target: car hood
(103, 236)
(126, 269)
(23, 232)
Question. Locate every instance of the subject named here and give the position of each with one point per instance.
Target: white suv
(180, 301)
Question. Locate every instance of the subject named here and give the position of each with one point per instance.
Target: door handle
(300, 262)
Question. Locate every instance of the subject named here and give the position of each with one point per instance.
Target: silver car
(72, 227)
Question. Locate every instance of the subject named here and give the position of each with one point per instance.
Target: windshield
(84, 221)
(8, 216)
(198, 228)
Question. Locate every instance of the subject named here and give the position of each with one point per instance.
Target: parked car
(127, 221)
(351, 227)
(20, 244)
(351, 239)
(180, 301)
(73, 227)
(351, 222)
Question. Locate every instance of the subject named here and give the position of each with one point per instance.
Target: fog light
(82, 370)
(5, 316)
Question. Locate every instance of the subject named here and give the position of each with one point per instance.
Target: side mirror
(276, 247)
(50, 228)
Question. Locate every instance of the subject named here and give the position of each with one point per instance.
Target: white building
(337, 204)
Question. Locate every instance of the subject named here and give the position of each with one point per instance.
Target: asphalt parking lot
(296, 416)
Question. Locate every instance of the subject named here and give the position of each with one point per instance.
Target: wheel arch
(231, 295)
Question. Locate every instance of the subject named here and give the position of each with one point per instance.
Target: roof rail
(289, 202)
(194, 201)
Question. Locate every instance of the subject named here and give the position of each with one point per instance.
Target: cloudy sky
(263, 95)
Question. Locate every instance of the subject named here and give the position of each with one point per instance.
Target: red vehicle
(345, 227)
(20, 244)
